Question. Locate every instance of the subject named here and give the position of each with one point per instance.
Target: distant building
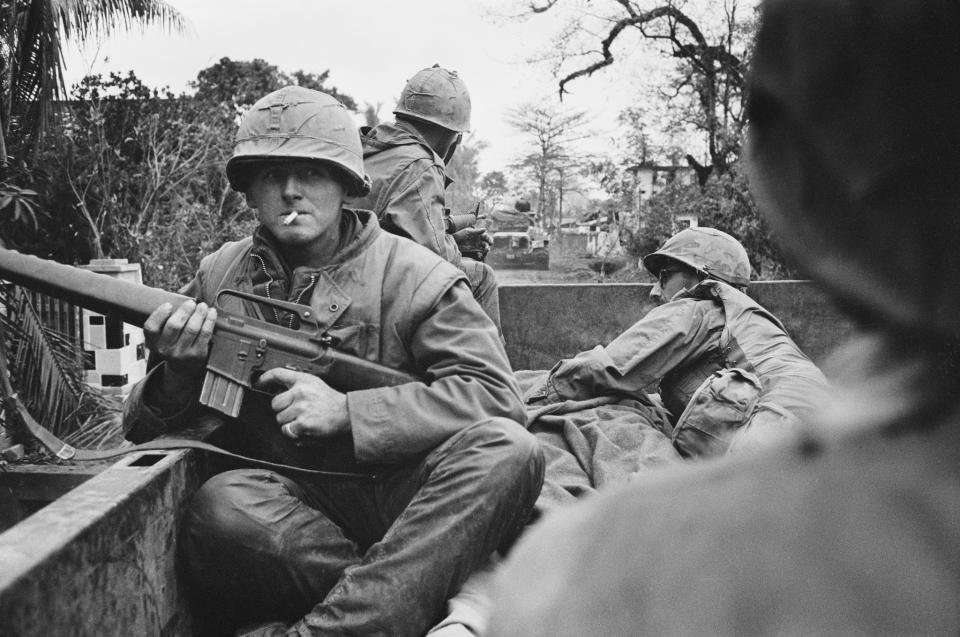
(649, 179)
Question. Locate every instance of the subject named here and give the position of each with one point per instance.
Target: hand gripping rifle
(241, 348)
(474, 246)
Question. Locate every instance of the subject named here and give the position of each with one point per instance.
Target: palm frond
(83, 19)
(36, 69)
(46, 368)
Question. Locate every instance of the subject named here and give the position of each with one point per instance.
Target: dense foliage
(32, 33)
(137, 173)
(725, 203)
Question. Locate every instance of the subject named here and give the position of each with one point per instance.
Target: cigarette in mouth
(289, 218)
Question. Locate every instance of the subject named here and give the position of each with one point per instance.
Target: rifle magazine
(221, 393)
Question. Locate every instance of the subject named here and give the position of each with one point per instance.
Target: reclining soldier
(443, 474)
(726, 370)
(406, 163)
(854, 148)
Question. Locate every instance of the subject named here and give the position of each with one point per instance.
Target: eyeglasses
(665, 273)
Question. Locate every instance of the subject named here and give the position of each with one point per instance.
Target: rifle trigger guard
(304, 312)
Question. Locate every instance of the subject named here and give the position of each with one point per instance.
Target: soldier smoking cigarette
(289, 218)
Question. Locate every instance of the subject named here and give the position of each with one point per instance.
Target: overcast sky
(371, 48)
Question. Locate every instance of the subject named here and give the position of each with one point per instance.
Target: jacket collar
(271, 276)
(359, 230)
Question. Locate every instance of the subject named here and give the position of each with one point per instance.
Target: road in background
(570, 268)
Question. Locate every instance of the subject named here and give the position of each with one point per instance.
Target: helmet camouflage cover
(708, 251)
(438, 96)
(298, 123)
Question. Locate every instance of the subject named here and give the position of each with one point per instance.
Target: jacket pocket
(721, 405)
(360, 339)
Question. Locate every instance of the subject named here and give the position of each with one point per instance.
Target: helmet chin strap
(452, 148)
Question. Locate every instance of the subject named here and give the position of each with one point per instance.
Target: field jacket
(407, 187)
(680, 344)
(381, 298)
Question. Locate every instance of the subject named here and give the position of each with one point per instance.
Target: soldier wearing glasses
(725, 368)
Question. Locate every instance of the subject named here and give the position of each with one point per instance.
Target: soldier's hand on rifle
(181, 337)
(474, 242)
(307, 407)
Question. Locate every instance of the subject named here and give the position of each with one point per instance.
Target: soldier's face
(309, 189)
(671, 281)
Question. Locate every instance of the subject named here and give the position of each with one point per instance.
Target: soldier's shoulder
(412, 257)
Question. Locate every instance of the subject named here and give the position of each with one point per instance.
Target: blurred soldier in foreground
(406, 163)
(854, 150)
(726, 369)
(439, 474)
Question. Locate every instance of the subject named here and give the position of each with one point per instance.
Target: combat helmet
(854, 150)
(709, 251)
(298, 123)
(438, 96)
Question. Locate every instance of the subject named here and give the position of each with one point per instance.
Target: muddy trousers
(483, 284)
(359, 557)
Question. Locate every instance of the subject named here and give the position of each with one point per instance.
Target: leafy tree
(242, 82)
(133, 154)
(130, 160)
(318, 82)
(31, 58)
(493, 185)
(238, 82)
(463, 168)
(724, 203)
(129, 157)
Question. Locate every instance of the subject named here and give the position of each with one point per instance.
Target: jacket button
(334, 307)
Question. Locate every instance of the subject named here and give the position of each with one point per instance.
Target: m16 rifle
(241, 348)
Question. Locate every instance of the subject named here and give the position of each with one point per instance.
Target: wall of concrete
(101, 559)
(543, 323)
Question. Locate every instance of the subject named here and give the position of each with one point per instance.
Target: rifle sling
(67, 452)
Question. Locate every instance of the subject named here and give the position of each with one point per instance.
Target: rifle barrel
(133, 303)
(130, 302)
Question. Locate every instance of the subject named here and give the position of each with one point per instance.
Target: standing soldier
(406, 163)
(854, 151)
(440, 472)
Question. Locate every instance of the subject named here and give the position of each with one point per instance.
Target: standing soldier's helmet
(712, 253)
(438, 96)
(854, 146)
(298, 123)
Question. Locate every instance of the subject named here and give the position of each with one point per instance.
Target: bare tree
(551, 161)
(711, 62)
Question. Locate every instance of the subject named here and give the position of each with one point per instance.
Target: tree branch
(633, 19)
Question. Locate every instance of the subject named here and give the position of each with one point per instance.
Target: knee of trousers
(480, 274)
(506, 446)
(218, 513)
